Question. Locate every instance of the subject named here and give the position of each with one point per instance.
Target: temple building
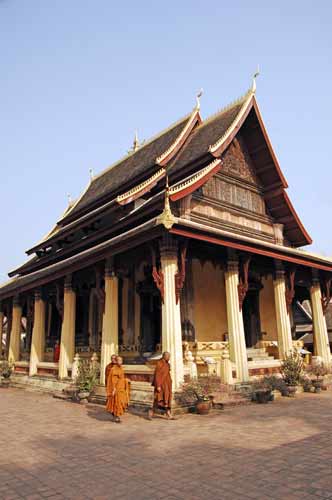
(189, 243)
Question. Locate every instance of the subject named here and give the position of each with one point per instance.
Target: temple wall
(209, 302)
(267, 310)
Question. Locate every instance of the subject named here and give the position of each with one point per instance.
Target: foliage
(292, 368)
(318, 370)
(306, 382)
(87, 376)
(199, 389)
(268, 383)
(6, 368)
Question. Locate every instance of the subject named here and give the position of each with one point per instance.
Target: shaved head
(166, 356)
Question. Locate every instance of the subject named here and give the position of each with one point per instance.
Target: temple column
(38, 334)
(67, 343)
(15, 333)
(171, 317)
(322, 345)
(285, 342)
(110, 333)
(237, 343)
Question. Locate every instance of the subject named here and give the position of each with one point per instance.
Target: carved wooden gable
(234, 195)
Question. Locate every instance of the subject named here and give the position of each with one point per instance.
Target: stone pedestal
(237, 343)
(15, 333)
(285, 343)
(67, 345)
(110, 334)
(171, 317)
(226, 368)
(321, 339)
(38, 335)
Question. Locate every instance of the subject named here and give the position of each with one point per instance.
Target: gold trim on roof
(133, 193)
(196, 177)
(160, 160)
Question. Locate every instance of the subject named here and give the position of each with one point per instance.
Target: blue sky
(78, 77)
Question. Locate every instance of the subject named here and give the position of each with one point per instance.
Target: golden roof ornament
(166, 218)
(136, 142)
(70, 201)
(198, 99)
(253, 87)
(91, 173)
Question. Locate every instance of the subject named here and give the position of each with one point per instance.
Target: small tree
(87, 376)
(292, 368)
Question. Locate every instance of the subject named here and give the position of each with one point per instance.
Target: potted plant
(263, 389)
(6, 369)
(291, 370)
(87, 378)
(319, 371)
(306, 383)
(200, 393)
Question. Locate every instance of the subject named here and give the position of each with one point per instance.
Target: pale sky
(78, 77)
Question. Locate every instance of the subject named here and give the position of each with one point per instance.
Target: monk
(117, 391)
(109, 367)
(162, 384)
(56, 353)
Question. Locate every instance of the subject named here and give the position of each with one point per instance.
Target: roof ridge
(236, 102)
(146, 143)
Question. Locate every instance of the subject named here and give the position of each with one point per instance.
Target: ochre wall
(267, 310)
(209, 302)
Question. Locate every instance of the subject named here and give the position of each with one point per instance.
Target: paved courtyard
(51, 449)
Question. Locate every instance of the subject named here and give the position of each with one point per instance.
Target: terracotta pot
(263, 396)
(203, 407)
(292, 390)
(317, 383)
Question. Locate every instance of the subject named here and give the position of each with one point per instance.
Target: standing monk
(109, 367)
(117, 390)
(162, 384)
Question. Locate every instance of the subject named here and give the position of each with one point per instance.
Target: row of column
(171, 321)
(237, 344)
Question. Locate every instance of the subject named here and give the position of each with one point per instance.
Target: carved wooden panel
(233, 194)
(237, 162)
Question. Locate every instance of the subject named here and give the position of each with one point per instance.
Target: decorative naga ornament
(198, 99)
(180, 276)
(243, 281)
(256, 74)
(290, 290)
(326, 294)
(166, 217)
(157, 275)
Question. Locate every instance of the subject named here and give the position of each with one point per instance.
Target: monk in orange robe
(117, 390)
(109, 367)
(162, 384)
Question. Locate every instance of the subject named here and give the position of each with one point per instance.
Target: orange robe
(117, 403)
(107, 371)
(162, 379)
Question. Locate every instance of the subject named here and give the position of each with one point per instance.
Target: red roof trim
(252, 249)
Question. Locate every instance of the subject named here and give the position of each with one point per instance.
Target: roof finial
(166, 217)
(91, 174)
(198, 99)
(69, 199)
(136, 142)
(253, 87)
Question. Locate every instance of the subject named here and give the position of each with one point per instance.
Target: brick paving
(52, 449)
